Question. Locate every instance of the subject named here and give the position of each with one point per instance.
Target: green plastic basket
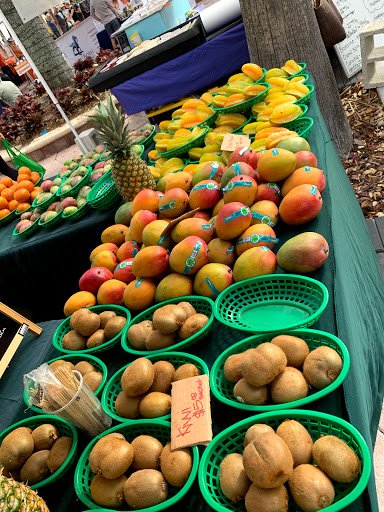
(302, 126)
(18, 214)
(156, 428)
(27, 232)
(231, 440)
(307, 98)
(239, 129)
(146, 142)
(65, 327)
(45, 204)
(301, 71)
(223, 389)
(97, 363)
(272, 303)
(210, 120)
(196, 142)
(201, 304)
(9, 218)
(51, 223)
(113, 386)
(78, 214)
(64, 428)
(104, 194)
(74, 190)
(244, 105)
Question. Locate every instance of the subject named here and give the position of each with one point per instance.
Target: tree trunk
(41, 47)
(279, 30)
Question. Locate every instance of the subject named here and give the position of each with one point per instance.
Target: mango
(252, 70)
(300, 205)
(257, 235)
(141, 219)
(304, 158)
(152, 233)
(172, 286)
(265, 212)
(268, 192)
(173, 203)
(218, 207)
(189, 255)
(146, 199)
(221, 251)
(294, 144)
(303, 253)
(276, 164)
(150, 262)
(212, 279)
(181, 180)
(232, 220)
(192, 227)
(254, 262)
(205, 195)
(208, 171)
(310, 175)
(237, 169)
(139, 294)
(241, 189)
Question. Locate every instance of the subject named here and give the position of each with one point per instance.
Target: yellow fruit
(191, 168)
(234, 120)
(172, 163)
(239, 77)
(297, 89)
(211, 157)
(264, 115)
(266, 132)
(278, 81)
(178, 113)
(298, 78)
(258, 145)
(162, 145)
(153, 155)
(160, 162)
(206, 98)
(252, 70)
(285, 113)
(176, 142)
(163, 125)
(283, 98)
(291, 67)
(252, 128)
(258, 108)
(174, 126)
(211, 148)
(183, 132)
(275, 72)
(273, 140)
(155, 172)
(195, 153)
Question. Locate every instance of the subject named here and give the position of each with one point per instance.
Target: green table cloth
(355, 314)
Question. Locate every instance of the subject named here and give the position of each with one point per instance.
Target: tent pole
(43, 82)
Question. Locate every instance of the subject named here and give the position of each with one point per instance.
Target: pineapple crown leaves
(112, 128)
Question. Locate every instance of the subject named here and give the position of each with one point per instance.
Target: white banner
(79, 42)
(28, 10)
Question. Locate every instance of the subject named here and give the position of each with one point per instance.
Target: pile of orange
(18, 195)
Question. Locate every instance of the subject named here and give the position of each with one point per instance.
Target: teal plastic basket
(196, 142)
(231, 440)
(202, 305)
(74, 190)
(78, 214)
(97, 363)
(65, 327)
(244, 105)
(44, 205)
(51, 223)
(104, 194)
(113, 386)
(27, 232)
(301, 126)
(159, 429)
(210, 120)
(307, 98)
(9, 218)
(64, 428)
(146, 142)
(222, 389)
(272, 303)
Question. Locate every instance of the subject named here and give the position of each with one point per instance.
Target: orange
(22, 195)
(2, 187)
(4, 212)
(24, 170)
(35, 176)
(12, 205)
(6, 181)
(34, 194)
(7, 194)
(3, 203)
(22, 207)
(77, 301)
(22, 177)
(27, 184)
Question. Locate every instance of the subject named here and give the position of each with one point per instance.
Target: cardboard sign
(191, 422)
(233, 141)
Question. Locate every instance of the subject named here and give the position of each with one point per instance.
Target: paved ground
(53, 163)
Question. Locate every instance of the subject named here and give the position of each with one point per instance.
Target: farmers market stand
(38, 274)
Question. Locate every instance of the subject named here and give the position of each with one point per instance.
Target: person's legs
(8, 171)
(112, 26)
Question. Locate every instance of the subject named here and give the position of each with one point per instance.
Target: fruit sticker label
(214, 167)
(313, 190)
(243, 212)
(232, 184)
(169, 206)
(212, 287)
(255, 239)
(190, 262)
(307, 168)
(124, 264)
(243, 151)
(230, 250)
(236, 168)
(274, 151)
(209, 186)
(264, 219)
(275, 187)
(232, 141)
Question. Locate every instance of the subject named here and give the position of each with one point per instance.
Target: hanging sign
(29, 10)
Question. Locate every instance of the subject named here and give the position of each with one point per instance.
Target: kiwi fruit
(322, 366)
(268, 461)
(155, 404)
(74, 341)
(290, 385)
(164, 373)
(108, 493)
(146, 452)
(85, 322)
(44, 436)
(137, 378)
(84, 367)
(188, 308)
(169, 318)
(127, 407)
(93, 380)
(192, 325)
(266, 500)
(176, 465)
(114, 326)
(156, 340)
(138, 333)
(256, 430)
(101, 449)
(310, 488)
(104, 317)
(234, 482)
(263, 364)
(232, 367)
(298, 441)
(35, 468)
(97, 339)
(336, 459)
(247, 394)
(186, 371)
(145, 488)
(60, 363)
(296, 349)
(16, 447)
(58, 453)
(116, 460)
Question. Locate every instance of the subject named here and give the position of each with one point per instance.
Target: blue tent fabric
(211, 61)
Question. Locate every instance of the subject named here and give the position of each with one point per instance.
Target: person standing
(103, 11)
(52, 26)
(9, 92)
(62, 22)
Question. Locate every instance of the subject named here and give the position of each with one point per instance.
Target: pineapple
(129, 171)
(18, 497)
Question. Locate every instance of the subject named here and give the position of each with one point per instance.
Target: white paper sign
(28, 10)
(79, 42)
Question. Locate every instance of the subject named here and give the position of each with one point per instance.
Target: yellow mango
(275, 72)
(178, 113)
(219, 100)
(285, 113)
(291, 67)
(258, 145)
(206, 98)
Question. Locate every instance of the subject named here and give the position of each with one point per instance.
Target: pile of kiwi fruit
(138, 473)
(89, 329)
(169, 325)
(146, 387)
(281, 371)
(277, 467)
(32, 455)
(91, 376)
